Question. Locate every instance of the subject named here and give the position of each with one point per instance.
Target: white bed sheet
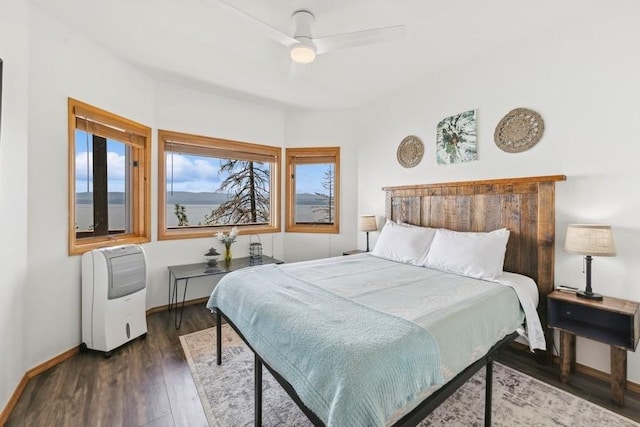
(382, 284)
(445, 304)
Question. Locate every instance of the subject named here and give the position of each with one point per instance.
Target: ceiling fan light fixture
(304, 51)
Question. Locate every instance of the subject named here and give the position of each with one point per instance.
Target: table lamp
(367, 223)
(588, 240)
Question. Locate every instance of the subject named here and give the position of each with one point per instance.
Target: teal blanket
(351, 364)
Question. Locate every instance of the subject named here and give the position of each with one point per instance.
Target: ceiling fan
(303, 47)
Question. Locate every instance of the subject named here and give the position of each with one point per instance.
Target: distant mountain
(180, 197)
(309, 199)
(188, 198)
(115, 198)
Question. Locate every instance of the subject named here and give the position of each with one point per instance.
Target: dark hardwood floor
(582, 385)
(148, 383)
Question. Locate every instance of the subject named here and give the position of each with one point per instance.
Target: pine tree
(181, 213)
(248, 188)
(326, 199)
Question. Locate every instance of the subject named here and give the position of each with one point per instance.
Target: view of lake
(195, 214)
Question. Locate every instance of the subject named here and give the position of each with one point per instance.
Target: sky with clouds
(187, 172)
(115, 164)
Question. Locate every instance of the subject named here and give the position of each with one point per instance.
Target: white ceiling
(202, 44)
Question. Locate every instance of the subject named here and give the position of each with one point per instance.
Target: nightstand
(353, 252)
(612, 321)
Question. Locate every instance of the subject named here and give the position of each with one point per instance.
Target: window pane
(109, 159)
(210, 182)
(313, 190)
(113, 202)
(211, 191)
(314, 193)
(119, 188)
(84, 184)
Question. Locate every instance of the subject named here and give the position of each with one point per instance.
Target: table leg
(567, 355)
(618, 374)
(174, 300)
(177, 322)
(170, 299)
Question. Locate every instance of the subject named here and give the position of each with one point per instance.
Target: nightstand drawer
(609, 327)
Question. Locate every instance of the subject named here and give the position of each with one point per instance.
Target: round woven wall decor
(410, 151)
(519, 130)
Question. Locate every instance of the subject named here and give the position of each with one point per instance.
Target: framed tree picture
(456, 139)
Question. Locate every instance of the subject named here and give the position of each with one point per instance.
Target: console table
(191, 271)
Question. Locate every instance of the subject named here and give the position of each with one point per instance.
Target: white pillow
(403, 243)
(479, 255)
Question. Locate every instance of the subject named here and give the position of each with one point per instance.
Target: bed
(421, 341)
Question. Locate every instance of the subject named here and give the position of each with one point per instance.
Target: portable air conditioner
(114, 282)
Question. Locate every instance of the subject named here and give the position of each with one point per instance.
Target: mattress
(446, 305)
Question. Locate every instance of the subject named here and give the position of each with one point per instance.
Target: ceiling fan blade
(358, 38)
(272, 32)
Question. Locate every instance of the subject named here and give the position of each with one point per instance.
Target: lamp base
(589, 295)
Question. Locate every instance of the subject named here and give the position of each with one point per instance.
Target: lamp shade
(367, 223)
(589, 239)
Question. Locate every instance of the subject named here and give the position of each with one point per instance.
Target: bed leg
(487, 393)
(258, 390)
(218, 337)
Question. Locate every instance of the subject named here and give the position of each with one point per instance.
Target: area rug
(226, 393)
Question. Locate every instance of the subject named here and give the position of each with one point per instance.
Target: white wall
(13, 192)
(582, 78)
(317, 129)
(63, 64)
(195, 112)
(86, 72)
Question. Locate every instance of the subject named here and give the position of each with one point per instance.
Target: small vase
(227, 254)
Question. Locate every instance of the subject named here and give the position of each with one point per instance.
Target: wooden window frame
(311, 155)
(138, 137)
(204, 145)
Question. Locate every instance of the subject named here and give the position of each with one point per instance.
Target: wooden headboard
(525, 206)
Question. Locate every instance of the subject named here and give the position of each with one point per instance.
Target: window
(207, 184)
(313, 184)
(109, 193)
